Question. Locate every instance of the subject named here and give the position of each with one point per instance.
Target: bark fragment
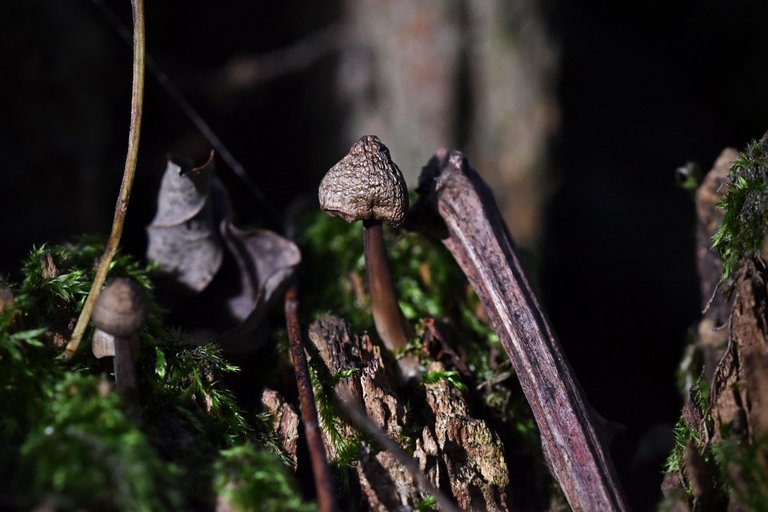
(470, 452)
(725, 461)
(460, 455)
(286, 422)
(716, 307)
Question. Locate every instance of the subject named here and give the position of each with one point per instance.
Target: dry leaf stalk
(326, 494)
(121, 208)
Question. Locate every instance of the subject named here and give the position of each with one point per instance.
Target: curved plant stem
(121, 208)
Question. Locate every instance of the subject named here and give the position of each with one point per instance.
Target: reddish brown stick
(475, 234)
(326, 496)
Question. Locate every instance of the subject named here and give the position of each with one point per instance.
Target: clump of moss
(64, 437)
(745, 224)
(86, 453)
(742, 471)
(451, 376)
(247, 479)
(346, 447)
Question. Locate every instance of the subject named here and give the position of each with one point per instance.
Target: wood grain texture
(472, 229)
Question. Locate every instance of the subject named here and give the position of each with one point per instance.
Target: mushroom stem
(118, 315)
(390, 323)
(125, 375)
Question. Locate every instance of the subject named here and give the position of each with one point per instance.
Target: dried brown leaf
(265, 262)
(183, 238)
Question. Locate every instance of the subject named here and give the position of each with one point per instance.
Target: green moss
(66, 430)
(186, 376)
(428, 504)
(249, 479)
(685, 433)
(452, 376)
(345, 446)
(745, 223)
(742, 470)
(85, 453)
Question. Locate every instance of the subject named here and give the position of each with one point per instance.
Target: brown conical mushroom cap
(365, 184)
(120, 309)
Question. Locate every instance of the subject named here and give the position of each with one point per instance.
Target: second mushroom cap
(120, 309)
(365, 185)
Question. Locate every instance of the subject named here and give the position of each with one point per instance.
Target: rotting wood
(711, 332)
(454, 455)
(456, 205)
(286, 423)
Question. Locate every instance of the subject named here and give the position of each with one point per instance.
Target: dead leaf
(183, 238)
(189, 237)
(265, 261)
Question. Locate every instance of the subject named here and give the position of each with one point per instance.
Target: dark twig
(472, 229)
(326, 498)
(355, 414)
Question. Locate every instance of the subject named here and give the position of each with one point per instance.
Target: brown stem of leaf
(121, 208)
(471, 228)
(326, 496)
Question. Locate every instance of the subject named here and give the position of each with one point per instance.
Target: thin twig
(472, 229)
(326, 495)
(121, 208)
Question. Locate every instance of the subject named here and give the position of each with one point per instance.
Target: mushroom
(118, 314)
(367, 185)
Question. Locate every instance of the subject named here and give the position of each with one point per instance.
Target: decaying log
(457, 455)
(739, 399)
(465, 216)
(480, 468)
(286, 423)
(712, 333)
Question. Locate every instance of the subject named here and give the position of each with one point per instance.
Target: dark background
(643, 88)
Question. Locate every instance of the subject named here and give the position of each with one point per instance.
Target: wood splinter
(471, 228)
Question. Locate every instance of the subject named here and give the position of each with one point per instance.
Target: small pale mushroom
(367, 185)
(118, 315)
